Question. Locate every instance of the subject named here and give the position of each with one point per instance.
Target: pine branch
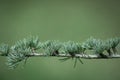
(89, 56)
(31, 47)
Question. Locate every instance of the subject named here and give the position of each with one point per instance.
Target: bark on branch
(85, 56)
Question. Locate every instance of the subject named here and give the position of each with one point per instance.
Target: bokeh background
(61, 20)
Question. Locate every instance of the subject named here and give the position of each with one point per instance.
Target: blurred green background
(60, 20)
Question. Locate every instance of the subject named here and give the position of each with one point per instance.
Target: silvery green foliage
(112, 44)
(21, 50)
(51, 47)
(29, 43)
(72, 48)
(99, 47)
(93, 44)
(89, 43)
(14, 58)
(4, 49)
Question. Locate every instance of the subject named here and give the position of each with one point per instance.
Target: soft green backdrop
(60, 20)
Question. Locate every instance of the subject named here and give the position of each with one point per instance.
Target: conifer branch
(31, 47)
(86, 56)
